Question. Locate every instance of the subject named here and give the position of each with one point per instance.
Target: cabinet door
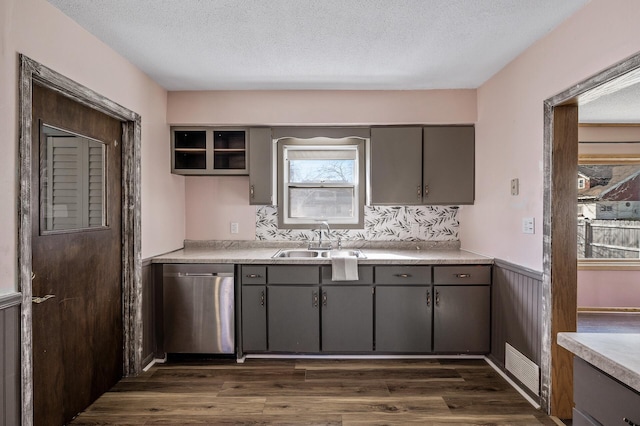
(254, 318)
(461, 319)
(449, 165)
(396, 165)
(347, 319)
(260, 166)
(294, 318)
(403, 318)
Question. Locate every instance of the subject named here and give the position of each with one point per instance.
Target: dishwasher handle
(202, 274)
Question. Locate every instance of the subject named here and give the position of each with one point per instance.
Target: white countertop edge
(616, 354)
(373, 257)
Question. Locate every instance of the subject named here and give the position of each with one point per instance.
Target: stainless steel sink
(297, 253)
(333, 253)
(327, 254)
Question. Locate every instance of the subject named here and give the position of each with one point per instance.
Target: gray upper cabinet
(209, 151)
(260, 163)
(449, 165)
(396, 165)
(430, 165)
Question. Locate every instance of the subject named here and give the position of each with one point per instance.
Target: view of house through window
(609, 209)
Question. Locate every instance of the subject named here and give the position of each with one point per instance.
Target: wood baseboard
(605, 310)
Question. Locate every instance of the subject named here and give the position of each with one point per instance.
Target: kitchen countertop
(614, 353)
(263, 255)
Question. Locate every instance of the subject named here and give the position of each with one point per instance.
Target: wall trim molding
(9, 300)
(531, 273)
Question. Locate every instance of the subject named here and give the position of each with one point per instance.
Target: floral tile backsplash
(381, 223)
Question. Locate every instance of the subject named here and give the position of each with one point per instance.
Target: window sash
(336, 212)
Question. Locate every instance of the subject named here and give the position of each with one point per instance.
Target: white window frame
(284, 145)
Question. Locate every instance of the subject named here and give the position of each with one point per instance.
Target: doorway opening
(560, 225)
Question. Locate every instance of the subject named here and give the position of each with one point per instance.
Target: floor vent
(522, 368)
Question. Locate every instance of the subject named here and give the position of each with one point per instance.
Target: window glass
(321, 181)
(609, 210)
(72, 181)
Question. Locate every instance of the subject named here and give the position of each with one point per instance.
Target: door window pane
(72, 181)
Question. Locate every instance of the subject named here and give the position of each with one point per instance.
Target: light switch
(234, 227)
(515, 186)
(528, 225)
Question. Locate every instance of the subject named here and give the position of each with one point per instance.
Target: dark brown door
(76, 240)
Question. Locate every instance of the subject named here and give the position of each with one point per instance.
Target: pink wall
(40, 31)
(299, 107)
(509, 132)
(213, 202)
(607, 289)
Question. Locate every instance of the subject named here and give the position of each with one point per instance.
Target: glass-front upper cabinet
(209, 151)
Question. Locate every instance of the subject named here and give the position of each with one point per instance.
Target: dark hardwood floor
(609, 322)
(315, 392)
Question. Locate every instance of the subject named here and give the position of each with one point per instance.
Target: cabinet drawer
(603, 398)
(465, 275)
(299, 274)
(403, 274)
(365, 276)
(253, 274)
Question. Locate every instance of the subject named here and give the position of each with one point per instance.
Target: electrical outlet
(515, 186)
(234, 227)
(528, 225)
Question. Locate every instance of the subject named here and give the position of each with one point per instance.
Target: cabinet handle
(315, 299)
(262, 298)
(426, 190)
(437, 298)
(626, 420)
(324, 298)
(252, 191)
(462, 275)
(253, 276)
(402, 275)
(419, 192)
(428, 298)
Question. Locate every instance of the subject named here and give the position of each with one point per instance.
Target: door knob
(39, 300)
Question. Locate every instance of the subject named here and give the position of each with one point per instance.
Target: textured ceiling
(319, 44)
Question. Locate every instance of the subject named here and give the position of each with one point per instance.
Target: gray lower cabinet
(405, 309)
(403, 318)
(347, 318)
(602, 400)
(293, 318)
(462, 306)
(461, 321)
(254, 318)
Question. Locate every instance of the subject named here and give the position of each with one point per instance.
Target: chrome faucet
(323, 224)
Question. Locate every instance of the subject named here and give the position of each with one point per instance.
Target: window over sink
(321, 179)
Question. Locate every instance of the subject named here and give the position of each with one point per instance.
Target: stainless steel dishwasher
(198, 308)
